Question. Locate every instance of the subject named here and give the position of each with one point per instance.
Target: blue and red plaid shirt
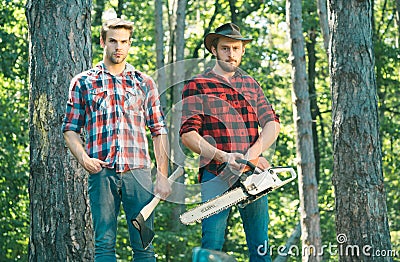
(227, 114)
(115, 110)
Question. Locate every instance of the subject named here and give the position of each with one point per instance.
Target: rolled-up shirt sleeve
(155, 118)
(74, 119)
(192, 108)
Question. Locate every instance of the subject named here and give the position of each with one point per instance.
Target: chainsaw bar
(252, 188)
(213, 206)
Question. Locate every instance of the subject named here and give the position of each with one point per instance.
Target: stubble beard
(116, 60)
(227, 66)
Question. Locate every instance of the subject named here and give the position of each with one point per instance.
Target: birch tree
(308, 189)
(159, 39)
(323, 22)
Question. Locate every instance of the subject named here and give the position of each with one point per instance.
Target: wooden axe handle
(148, 209)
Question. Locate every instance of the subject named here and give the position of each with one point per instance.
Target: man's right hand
(231, 158)
(92, 165)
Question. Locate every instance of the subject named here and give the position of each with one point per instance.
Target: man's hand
(162, 187)
(231, 158)
(262, 163)
(92, 165)
(75, 145)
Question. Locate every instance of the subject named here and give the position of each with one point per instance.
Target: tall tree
(323, 22)
(159, 39)
(60, 47)
(361, 213)
(179, 77)
(308, 190)
(398, 21)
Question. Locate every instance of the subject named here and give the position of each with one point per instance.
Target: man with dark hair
(223, 109)
(114, 103)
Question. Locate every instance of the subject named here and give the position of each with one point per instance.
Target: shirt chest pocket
(134, 101)
(99, 99)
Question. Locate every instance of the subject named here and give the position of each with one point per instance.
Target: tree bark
(312, 60)
(60, 47)
(308, 190)
(120, 8)
(179, 75)
(323, 22)
(159, 39)
(233, 9)
(98, 12)
(361, 212)
(398, 22)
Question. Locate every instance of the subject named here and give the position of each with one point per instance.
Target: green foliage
(14, 141)
(266, 59)
(14, 157)
(387, 63)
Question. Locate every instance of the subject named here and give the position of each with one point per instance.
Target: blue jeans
(107, 190)
(254, 217)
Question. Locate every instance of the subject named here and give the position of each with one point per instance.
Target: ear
(102, 42)
(213, 51)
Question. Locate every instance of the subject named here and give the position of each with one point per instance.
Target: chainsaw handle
(247, 163)
(239, 161)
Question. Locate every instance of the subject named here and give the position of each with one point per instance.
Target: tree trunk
(233, 9)
(98, 12)
(179, 75)
(312, 60)
(398, 22)
(361, 212)
(60, 47)
(323, 22)
(308, 190)
(159, 39)
(120, 8)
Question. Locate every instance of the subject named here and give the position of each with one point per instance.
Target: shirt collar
(101, 67)
(209, 72)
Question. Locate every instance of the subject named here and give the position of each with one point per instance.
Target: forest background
(267, 59)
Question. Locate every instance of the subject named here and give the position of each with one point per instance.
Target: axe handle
(148, 209)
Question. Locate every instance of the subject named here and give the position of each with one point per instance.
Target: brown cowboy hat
(229, 30)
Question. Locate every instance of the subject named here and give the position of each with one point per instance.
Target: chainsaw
(251, 185)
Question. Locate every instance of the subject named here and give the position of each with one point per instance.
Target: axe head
(146, 234)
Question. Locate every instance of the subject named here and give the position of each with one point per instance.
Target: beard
(227, 65)
(116, 59)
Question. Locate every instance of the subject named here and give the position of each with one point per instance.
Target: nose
(229, 52)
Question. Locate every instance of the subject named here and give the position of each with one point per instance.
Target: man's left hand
(263, 163)
(162, 187)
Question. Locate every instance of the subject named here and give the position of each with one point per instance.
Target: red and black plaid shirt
(227, 114)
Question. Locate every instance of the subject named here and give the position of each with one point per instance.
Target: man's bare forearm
(161, 149)
(199, 145)
(75, 145)
(267, 137)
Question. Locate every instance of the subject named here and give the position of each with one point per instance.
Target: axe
(146, 234)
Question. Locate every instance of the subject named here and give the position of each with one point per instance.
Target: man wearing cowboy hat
(223, 109)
